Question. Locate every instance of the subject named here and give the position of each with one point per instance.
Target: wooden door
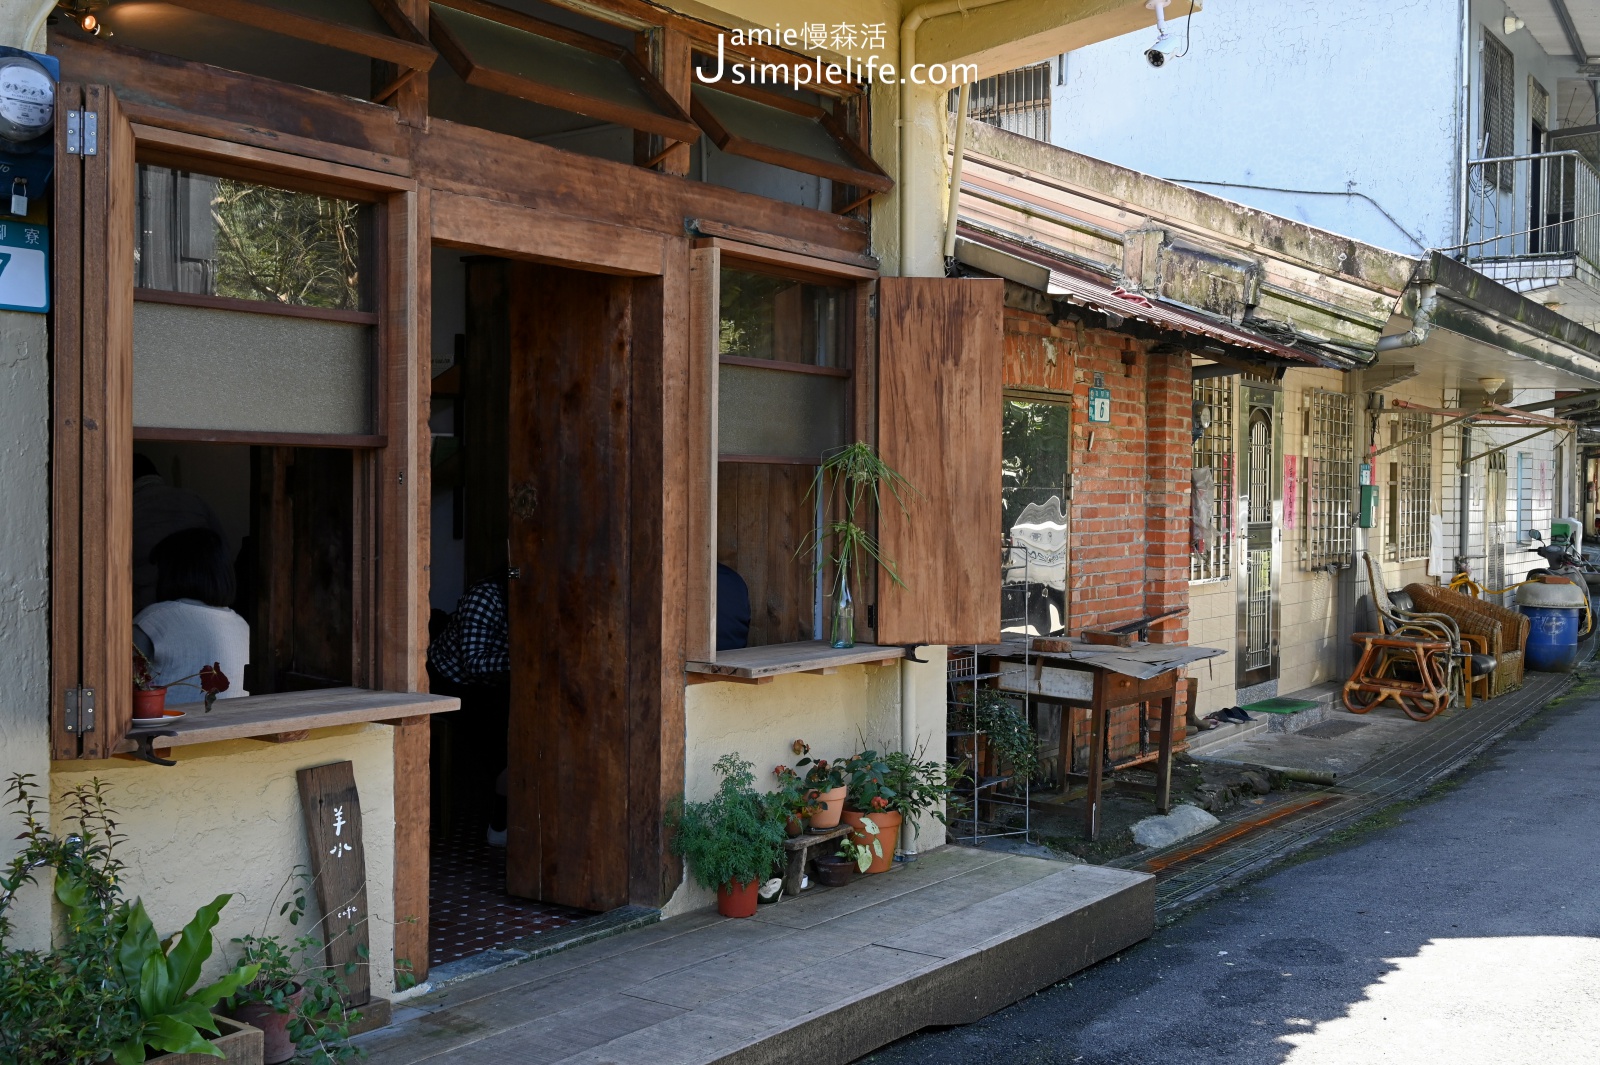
(91, 527)
(939, 417)
(570, 370)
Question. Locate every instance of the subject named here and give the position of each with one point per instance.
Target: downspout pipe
(1421, 323)
(952, 216)
(908, 59)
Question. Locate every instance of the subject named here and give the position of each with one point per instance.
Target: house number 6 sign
(1099, 401)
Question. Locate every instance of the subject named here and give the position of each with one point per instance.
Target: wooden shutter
(92, 425)
(939, 411)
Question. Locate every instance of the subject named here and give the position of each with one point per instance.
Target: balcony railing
(1544, 206)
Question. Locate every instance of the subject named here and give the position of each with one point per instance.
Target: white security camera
(1156, 54)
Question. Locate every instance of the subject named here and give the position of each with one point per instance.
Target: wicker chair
(1413, 658)
(1505, 630)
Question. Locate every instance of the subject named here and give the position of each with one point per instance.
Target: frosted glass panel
(198, 368)
(779, 413)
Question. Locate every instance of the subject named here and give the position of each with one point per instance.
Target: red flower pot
(149, 703)
(888, 823)
(737, 900)
(276, 1046)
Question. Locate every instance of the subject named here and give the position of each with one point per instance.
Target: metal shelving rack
(962, 682)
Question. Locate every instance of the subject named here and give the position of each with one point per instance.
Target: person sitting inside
(159, 510)
(733, 609)
(470, 658)
(191, 625)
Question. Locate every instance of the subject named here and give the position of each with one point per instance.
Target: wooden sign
(332, 811)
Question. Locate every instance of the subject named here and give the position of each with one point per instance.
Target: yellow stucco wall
(227, 818)
(838, 714)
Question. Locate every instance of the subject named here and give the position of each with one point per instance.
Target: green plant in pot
(850, 483)
(827, 783)
(296, 998)
(733, 840)
(795, 799)
(1002, 729)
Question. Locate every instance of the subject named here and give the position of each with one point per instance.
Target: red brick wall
(1129, 552)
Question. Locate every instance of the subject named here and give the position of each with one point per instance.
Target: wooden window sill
(288, 715)
(758, 665)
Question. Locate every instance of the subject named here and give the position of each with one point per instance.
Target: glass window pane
(768, 317)
(1033, 474)
(779, 413)
(218, 236)
(199, 368)
(764, 124)
(527, 55)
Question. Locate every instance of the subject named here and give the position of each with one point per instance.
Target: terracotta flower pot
(834, 871)
(737, 900)
(794, 826)
(276, 1046)
(888, 835)
(148, 703)
(830, 805)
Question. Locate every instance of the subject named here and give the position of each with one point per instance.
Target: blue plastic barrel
(1552, 638)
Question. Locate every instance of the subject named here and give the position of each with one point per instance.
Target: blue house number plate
(1099, 404)
(24, 267)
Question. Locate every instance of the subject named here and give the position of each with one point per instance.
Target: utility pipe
(908, 59)
(1421, 323)
(908, 743)
(959, 157)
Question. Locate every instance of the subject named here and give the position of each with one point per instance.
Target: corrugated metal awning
(1037, 269)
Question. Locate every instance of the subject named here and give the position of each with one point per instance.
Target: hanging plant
(1005, 726)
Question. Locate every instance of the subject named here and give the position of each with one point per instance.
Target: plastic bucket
(1552, 638)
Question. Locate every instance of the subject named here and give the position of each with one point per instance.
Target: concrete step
(1326, 696)
(821, 979)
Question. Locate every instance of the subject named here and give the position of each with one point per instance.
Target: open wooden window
(940, 342)
(787, 131)
(221, 316)
(504, 51)
(214, 31)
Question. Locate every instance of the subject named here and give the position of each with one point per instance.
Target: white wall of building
(1355, 102)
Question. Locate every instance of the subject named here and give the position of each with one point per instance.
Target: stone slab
(821, 979)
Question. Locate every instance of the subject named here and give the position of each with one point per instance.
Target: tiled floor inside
(471, 911)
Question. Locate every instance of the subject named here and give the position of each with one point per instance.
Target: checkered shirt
(474, 648)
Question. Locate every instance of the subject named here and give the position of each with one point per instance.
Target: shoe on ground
(496, 837)
(1237, 715)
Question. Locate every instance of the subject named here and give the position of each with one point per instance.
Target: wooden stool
(799, 848)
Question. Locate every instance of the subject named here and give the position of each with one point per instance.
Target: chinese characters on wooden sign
(332, 811)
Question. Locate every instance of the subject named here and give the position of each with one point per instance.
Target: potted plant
(997, 727)
(295, 999)
(150, 699)
(889, 788)
(837, 870)
(826, 781)
(732, 841)
(850, 483)
(114, 989)
(795, 800)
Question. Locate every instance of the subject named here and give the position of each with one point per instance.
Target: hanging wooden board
(332, 809)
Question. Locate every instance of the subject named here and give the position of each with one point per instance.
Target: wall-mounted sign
(1291, 488)
(1099, 404)
(24, 266)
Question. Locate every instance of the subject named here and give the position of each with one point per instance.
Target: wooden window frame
(866, 176)
(707, 257)
(408, 48)
(387, 648)
(673, 123)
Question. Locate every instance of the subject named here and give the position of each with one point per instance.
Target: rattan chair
(1504, 630)
(1412, 661)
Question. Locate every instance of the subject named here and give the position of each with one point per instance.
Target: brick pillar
(1168, 460)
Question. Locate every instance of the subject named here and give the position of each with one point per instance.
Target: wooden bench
(799, 850)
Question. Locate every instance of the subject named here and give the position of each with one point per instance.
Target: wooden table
(1103, 690)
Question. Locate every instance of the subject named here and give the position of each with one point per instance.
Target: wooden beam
(496, 228)
(407, 48)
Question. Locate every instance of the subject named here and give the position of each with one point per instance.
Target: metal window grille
(1017, 101)
(1499, 117)
(1524, 495)
(1331, 480)
(1415, 485)
(1214, 449)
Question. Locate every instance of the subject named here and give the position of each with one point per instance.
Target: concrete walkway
(1465, 930)
(820, 979)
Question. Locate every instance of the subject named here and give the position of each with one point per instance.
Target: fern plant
(737, 835)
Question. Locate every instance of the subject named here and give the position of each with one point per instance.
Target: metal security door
(1494, 521)
(1260, 511)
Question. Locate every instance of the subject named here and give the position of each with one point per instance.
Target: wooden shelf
(289, 715)
(755, 665)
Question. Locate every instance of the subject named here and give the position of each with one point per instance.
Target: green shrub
(737, 835)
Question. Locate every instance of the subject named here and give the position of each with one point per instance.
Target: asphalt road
(1463, 930)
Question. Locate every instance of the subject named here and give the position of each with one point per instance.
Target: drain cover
(1329, 729)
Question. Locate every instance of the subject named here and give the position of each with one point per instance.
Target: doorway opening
(531, 586)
